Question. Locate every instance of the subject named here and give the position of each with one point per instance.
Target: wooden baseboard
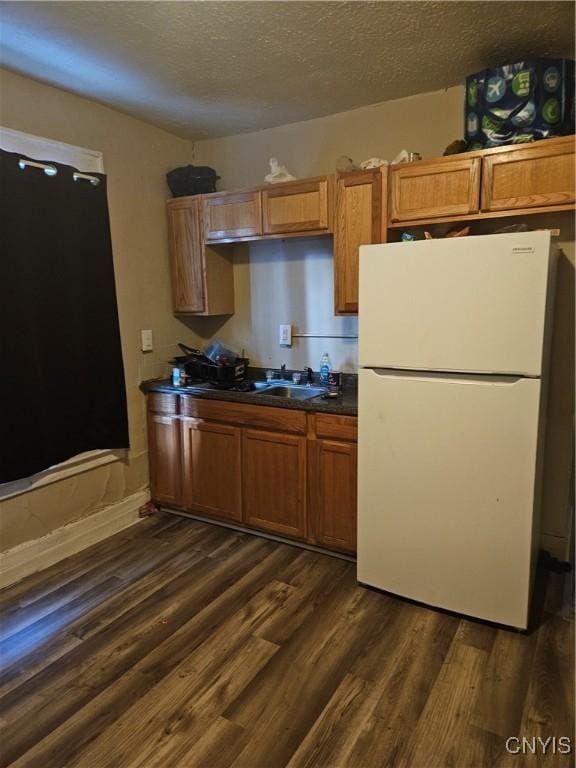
(35, 555)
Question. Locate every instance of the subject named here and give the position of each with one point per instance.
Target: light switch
(146, 343)
(285, 337)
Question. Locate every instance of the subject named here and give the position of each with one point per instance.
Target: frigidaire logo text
(538, 745)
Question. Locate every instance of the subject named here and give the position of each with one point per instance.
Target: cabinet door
(358, 222)
(164, 455)
(538, 175)
(334, 494)
(186, 254)
(211, 468)
(299, 206)
(232, 215)
(426, 190)
(274, 482)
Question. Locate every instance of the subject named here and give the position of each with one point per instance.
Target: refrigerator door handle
(446, 376)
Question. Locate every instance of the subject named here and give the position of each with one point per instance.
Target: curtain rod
(51, 170)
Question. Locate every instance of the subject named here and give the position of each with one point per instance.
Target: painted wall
(136, 159)
(425, 123)
(287, 281)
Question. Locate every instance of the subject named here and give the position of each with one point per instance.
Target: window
(84, 160)
(46, 149)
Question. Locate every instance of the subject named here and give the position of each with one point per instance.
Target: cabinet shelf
(400, 225)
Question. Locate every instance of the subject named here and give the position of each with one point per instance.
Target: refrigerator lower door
(447, 491)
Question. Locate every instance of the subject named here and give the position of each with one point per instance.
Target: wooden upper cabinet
(186, 258)
(298, 206)
(428, 190)
(232, 215)
(358, 221)
(274, 482)
(537, 175)
(202, 275)
(211, 468)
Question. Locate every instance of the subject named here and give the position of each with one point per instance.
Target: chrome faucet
(283, 371)
(309, 376)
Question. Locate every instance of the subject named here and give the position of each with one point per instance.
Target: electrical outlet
(285, 336)
(146, 343)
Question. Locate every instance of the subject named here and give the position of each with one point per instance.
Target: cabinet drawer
(297, 207)
(442, 188)
(162, 403)
(340, 427)
(229, 216)
(280, 419)
(539, 175)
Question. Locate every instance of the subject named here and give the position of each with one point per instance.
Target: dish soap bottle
(325, 368)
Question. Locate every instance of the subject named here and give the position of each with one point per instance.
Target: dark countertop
(344, 405)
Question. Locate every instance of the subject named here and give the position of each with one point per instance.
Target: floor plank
(127, 597)
(311, 666)
(41, 583)
(505, 684)
(549, 704)
(57, 693)
(419, 642)
(179, 644)
(440, 737)
(332, 738)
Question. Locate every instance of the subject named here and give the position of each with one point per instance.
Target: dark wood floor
(184, 645)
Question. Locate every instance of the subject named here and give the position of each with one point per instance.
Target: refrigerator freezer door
(446, 490)
(471, 304)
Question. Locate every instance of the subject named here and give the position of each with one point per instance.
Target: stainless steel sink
(278, 388)
(292, 391)
(260, 385)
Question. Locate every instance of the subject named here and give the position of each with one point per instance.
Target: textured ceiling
(203, 69)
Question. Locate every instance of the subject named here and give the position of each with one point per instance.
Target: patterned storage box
(519, 102)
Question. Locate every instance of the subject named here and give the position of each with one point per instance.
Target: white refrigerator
(453, 339)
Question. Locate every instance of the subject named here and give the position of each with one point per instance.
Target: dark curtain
(61, 373)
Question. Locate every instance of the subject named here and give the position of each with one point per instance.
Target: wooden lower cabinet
(212, 468)
(333, 494)
(164, 448)
(274, 482)
(279, 470)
